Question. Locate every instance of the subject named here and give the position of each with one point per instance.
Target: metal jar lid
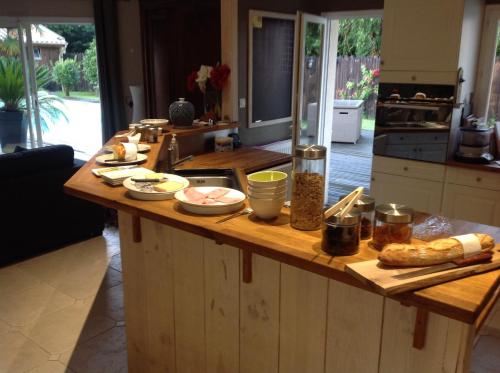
(364, 203)
(394, 213)
(351, 218)
(310, 151)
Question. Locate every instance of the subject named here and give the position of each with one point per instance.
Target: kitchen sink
(215, 177)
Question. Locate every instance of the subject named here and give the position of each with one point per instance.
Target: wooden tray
(381, 278)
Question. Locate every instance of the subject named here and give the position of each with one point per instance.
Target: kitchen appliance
(474, 146)
(413, 121)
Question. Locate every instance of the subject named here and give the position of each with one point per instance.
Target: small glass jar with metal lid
(341, 235)
(393, 224)
(308, 187)
(366, 205)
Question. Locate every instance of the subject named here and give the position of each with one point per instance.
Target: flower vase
(211, 105)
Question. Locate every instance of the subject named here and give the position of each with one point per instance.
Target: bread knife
(464, 262)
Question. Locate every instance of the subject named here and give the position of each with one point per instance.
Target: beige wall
(46, 8)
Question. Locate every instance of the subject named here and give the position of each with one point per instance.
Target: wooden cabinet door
(472, 204)
(421, 35)
(422, 195)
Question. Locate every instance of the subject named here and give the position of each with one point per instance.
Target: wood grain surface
(462, 299)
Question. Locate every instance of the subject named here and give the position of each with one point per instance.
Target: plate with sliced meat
(210, 200)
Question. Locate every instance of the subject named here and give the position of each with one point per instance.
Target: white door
(312, 39)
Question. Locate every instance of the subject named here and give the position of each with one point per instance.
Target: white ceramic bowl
(266, 208)
(257, 195)
(215, 209)
(276, 189)
(139, 190)
(267, 179)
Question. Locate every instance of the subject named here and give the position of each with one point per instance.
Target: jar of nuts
(308, 187)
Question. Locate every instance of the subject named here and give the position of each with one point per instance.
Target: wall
(47, 8)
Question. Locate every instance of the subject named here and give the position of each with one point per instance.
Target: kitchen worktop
(462, 299)
(490, 167)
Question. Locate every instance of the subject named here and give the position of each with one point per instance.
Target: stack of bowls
(267, 193)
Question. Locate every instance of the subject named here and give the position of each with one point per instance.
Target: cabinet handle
(405, 168)
(372, 179)
(479, 179)
(413, 77)
(381, 62)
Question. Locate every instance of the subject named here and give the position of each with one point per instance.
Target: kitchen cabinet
(422, 195)
(421, 35)
(472, 195)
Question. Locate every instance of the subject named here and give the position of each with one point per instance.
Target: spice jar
(393, 224)
(366, 206)
(308, 187)
(341, 235)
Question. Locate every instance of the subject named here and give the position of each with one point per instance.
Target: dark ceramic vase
(181, 113)
(12, 128)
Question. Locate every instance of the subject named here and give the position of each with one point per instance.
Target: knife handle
(479, 258)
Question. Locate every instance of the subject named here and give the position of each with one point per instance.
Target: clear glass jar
(341, 235)
(393, 224)
(366, 206)
(308, 187)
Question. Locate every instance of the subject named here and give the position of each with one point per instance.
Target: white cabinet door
(421, 195)
(472, 204)
(421, 35)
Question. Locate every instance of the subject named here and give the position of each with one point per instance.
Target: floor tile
(19, 354)
(116, 262)
(112, 237)
(13, 281)
(109, 303)
(486, 356)
(105, 353)
(51, 367)
(74, 274)
(61, 330)
(23, 307)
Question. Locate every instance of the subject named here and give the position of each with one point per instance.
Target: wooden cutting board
(381, 278)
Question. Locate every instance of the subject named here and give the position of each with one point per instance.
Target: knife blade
(476, 259)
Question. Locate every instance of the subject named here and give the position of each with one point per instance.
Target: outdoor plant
(89, 65)
(362, 90)
(12, 96)
(66, 73)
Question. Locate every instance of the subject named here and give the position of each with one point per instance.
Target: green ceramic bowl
(267, 179)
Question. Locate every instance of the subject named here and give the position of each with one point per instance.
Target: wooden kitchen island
(254, 297)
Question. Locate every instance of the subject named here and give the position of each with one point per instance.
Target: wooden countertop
(490, 167)
(462, 299)
(248, 159)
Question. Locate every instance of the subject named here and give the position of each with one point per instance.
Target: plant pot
(12, 127)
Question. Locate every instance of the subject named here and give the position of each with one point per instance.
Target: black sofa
(37, 215)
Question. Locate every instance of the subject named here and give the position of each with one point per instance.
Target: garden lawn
(83, 95)
(368, 124)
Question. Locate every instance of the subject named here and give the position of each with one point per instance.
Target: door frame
(486, 60)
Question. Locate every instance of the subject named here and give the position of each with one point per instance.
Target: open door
(315, 82)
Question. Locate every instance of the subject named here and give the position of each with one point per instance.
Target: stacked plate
(267, 193)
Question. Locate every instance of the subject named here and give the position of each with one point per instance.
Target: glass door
(18, 107)
(312, 41)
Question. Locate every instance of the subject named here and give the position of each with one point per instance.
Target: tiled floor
(63, 312)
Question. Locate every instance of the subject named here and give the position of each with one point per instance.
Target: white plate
(215, 209)
(100, 159)
(141, 148)
(147, 194)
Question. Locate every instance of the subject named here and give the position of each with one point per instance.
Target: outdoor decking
(350, 166)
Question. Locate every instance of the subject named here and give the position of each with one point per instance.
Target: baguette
(429, 253)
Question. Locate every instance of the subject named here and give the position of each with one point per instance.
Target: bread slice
(435, 252)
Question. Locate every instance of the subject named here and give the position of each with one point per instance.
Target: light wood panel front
(187, 309)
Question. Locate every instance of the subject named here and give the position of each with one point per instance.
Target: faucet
(171, 165)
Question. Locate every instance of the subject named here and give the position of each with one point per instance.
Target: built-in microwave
(413, 121)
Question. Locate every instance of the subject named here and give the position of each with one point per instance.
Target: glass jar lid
(310, 151)
(394, 213)
(351, 218)
(364, 203)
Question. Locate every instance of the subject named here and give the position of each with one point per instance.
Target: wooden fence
(348, 70)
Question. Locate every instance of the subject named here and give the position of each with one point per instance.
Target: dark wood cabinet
(177, 37)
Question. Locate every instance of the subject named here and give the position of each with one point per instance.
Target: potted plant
(13, 102)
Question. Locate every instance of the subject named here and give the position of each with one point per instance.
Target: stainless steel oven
(413, 121)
